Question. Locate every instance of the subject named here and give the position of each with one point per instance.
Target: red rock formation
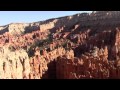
(87, 66)
(49, 52)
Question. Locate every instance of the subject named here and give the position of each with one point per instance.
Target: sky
(7, 17)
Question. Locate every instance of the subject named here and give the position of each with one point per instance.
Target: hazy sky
(7, 17)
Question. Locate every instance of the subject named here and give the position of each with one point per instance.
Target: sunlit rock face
(14, 65)
(80, 46)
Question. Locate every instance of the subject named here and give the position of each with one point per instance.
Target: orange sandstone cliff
(81, 46)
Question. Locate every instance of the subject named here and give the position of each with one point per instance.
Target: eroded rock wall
(72, 47)
(14, 65)
(41, 63)
(90, 65)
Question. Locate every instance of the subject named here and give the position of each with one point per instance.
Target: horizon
(7, 17)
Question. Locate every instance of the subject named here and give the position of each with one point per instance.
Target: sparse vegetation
(11, 48)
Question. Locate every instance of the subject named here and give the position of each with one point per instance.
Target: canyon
(80, 46)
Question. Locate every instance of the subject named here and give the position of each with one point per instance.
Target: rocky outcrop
(41, 63)
(14, 65)
(90, 65)
(73, 47)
